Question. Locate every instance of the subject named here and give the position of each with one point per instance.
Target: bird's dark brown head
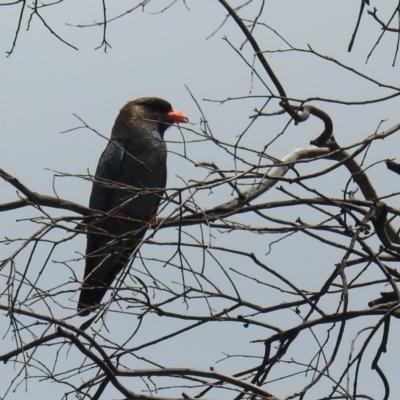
(149, 111)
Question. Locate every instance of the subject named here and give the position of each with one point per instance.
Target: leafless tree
(264, 264)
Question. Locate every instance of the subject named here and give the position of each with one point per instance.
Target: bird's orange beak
(175, 116)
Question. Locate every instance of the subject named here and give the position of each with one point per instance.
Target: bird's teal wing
(106, 173)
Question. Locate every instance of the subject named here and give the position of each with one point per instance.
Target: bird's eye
(158, 105)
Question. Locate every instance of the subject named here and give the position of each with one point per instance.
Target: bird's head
(150, 112)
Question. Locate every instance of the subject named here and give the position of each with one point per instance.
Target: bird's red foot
(152, 218)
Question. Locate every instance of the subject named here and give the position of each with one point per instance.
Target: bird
(129, 183)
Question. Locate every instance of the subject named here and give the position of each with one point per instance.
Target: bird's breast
(143, 176)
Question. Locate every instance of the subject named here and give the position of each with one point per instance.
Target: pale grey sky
(44, 82)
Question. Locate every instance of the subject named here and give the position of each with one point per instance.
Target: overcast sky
(45, 85)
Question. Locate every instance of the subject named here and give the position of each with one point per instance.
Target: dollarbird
(129, 183)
